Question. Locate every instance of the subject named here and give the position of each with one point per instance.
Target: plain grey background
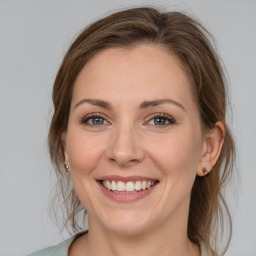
(34, 36)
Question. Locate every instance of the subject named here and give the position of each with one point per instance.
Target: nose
(125, 148)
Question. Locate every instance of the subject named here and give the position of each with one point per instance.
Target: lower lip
(126, 197)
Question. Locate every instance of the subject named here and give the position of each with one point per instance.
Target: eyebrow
(153, 103)
(95, 102)
(144, 104)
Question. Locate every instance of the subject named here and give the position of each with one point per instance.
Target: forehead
(145, 72)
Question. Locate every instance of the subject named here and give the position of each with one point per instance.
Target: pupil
(97, 120)
(159, 121)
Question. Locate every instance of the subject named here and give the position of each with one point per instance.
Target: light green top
(62, 248)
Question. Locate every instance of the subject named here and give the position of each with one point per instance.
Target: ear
(212, 145)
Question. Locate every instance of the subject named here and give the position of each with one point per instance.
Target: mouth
(127, 187)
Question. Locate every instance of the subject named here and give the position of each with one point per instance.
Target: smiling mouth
(129, 186)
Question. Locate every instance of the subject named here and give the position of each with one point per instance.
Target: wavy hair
(186, 38)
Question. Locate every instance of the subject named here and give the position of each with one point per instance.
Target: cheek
(178, 153)
(84, 152)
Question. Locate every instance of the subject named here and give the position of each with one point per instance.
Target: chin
(129, 224)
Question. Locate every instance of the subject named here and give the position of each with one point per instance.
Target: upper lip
(126, 179)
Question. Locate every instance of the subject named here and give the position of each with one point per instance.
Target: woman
(139, 127)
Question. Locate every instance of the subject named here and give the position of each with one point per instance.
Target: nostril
(123, 161)
(112, 160)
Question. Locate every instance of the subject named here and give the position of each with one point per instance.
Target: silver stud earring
(66, 166)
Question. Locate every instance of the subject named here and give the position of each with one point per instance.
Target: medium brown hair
(184, 37)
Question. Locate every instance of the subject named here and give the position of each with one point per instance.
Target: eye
(94, 120)
(161, 120)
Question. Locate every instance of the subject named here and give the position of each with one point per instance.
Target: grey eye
(94, 120)
(160, 121)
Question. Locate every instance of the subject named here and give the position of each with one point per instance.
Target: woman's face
(134, 142)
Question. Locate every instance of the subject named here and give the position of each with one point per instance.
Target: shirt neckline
(76, 236)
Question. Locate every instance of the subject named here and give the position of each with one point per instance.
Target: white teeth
(144, 185)
(108, 184)
(129, 186)
(138, 185)
(113, 186)
(148, 184)
(120, 186)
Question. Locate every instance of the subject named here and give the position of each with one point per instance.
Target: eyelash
(161, 116)
(86, 119)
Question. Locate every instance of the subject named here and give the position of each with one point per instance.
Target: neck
(161, 240)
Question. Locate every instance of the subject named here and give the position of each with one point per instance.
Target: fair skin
(133, 117)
